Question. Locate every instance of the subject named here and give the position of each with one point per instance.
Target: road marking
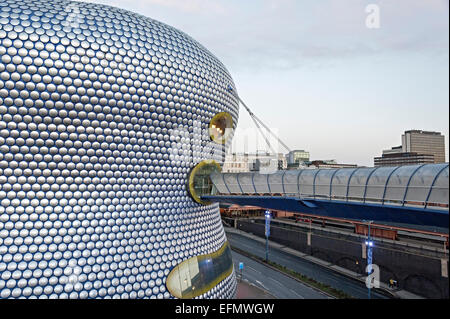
(261, 284)
(248, 246)
(295, 293)
(276, 281)
(254, 270)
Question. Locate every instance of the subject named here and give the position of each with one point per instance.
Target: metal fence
(423, 186)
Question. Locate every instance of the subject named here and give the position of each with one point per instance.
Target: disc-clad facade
(101, 114)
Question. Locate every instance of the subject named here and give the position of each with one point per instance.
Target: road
(276, 283)
(321, 274)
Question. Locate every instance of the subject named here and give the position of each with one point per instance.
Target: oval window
(197, 275)
(199, 180)
(220, 127)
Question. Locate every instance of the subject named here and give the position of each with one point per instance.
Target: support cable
(260, 123)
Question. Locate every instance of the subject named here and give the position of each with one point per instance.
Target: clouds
(333, 30)
(191, 6)
(349, 91)
(260, 34)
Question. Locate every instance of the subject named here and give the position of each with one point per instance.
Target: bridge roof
(419, 187)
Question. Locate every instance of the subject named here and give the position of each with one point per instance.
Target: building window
(199, 274)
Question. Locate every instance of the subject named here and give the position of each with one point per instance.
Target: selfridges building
(106, 117)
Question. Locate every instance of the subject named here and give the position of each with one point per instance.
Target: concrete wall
(413, 271)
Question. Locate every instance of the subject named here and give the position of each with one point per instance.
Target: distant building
(253, 162)
(398, 159)
(300, 165)
(394, 150)
(265, 165)
(236, 163)
(282, 162)
(297, 157)
(424, 142)
(418, 147)
(330, 164)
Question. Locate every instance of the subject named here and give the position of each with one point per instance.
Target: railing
(425, 186)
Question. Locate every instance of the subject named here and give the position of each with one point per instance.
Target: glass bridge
(413, 194)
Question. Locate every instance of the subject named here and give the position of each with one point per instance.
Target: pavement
(270, 282)
(246, 290)
(322, 271)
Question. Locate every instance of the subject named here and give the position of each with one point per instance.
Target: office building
(418, 147)
(424, 142)
(297, 159)
(297, 156)
(398, 159)
(329, 164)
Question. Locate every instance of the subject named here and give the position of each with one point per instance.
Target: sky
(328, 76)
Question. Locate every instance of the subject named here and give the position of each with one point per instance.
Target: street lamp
(369, 246)
(267, 216)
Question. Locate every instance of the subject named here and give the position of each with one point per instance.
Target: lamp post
(241, 268)
(369, 245)
(267, 217)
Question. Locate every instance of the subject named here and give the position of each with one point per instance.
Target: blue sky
(316, 73)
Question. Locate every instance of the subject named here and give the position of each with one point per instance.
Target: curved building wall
(101, 118)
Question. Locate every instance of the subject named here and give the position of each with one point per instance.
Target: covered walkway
(413, 194)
